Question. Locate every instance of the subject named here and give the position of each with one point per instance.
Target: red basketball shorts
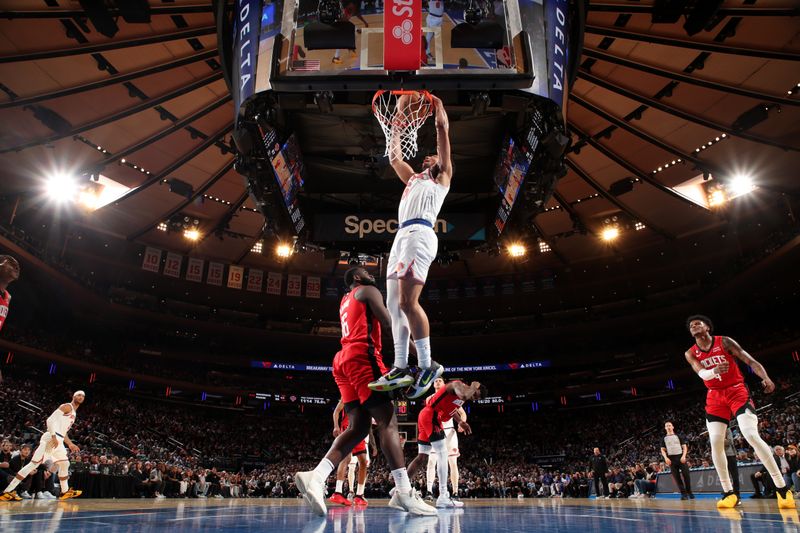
(353, 371)
(429, 428)
(724, 404)
(361, 447)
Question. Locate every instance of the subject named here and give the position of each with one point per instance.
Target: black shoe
(691, 496)
(684, 497)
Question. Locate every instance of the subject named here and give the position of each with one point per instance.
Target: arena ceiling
(651, 105)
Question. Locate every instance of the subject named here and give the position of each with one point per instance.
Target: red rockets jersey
(445, 403)
(361, 330)
(5, 299)
(713, 357)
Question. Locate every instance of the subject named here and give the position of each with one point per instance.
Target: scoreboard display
(513, 165)
(401, 409)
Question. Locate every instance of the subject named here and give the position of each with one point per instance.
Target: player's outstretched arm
(462, 424)
(336, 412)
(732, 347)
(443, 143)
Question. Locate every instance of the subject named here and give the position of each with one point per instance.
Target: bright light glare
(283, 250)
(716, 198)
(191, 234)
(61, 187)
(610, 233)
(516, 250)
(741, 184)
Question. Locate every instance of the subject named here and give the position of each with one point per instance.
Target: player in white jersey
(434, 20)
(413, 250)
(451, 441)
(51, 446)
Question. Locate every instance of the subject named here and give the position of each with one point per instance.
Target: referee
(674, 452)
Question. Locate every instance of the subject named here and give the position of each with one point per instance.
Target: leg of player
(362, 481)
(430, 476)
(444, 500)
(9, 494)
(63, 478)
(399, 375)
(404, 495)
(453, 462)
(338, 496)
(716, 436)
(748, 424)
(410, 290)
(351, 476)
(336, 59)
(311, 484)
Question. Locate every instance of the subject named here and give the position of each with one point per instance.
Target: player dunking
(51, 446)
(362, 315)
(439, 408)
(714, 360)
(9, 271)
(451, 441)
(358, 457)
(413, 250)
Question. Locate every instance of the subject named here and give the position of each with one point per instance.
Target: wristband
(707, 374)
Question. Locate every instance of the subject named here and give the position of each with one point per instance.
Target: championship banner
(255, 279)
(215, 271)
(152, 259)
(313, 284)
(194, 272)
(274, 280)
(247, 23)
(294, 285)
(235, 277)
(172, 268)
(402, 35)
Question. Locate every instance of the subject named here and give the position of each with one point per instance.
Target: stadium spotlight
(283, 250)
(258, 247)
(516, 249)
(191, 234)
(716, 197)
(610, 233)
(741, 184)
(61, 187)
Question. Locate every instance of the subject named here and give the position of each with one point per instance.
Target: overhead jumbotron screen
(509, 175)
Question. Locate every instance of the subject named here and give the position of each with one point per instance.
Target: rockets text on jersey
(361, 330)
(716, 355)
(445, 403)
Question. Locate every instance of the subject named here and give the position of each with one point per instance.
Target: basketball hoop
(401, 124)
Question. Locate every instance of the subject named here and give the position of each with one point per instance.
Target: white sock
(360, 489)
(401, 354)
(423, 352)
(339, 485)
(322, 471)
(401, 480)
(64, 485)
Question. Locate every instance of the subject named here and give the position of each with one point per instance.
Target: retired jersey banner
(255, 279)
(402, 34)
(294, 285)
(215, 271)
(274, 280)
(194, 272)
(172, 268)
(152, 259)
(235, 277)
(313, 284)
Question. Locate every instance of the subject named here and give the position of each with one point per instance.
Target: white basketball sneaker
(312, 492)
(412, 503)
(394, 502)
(446, 502)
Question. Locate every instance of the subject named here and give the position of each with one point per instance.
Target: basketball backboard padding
(340, 34)
(485, 34)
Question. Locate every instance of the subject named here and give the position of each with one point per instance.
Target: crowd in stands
(178, 450)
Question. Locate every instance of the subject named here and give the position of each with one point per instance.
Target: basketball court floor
(478, 516)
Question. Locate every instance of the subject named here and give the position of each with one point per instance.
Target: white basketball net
(400, 126)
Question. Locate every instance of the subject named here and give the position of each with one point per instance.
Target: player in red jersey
(714, 360)
(363, 316)
(9, 271)
(439, 408)
(340, 424)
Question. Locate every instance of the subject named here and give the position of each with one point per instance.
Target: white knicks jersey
(436, 7)
(60, 422)
(422, 198)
